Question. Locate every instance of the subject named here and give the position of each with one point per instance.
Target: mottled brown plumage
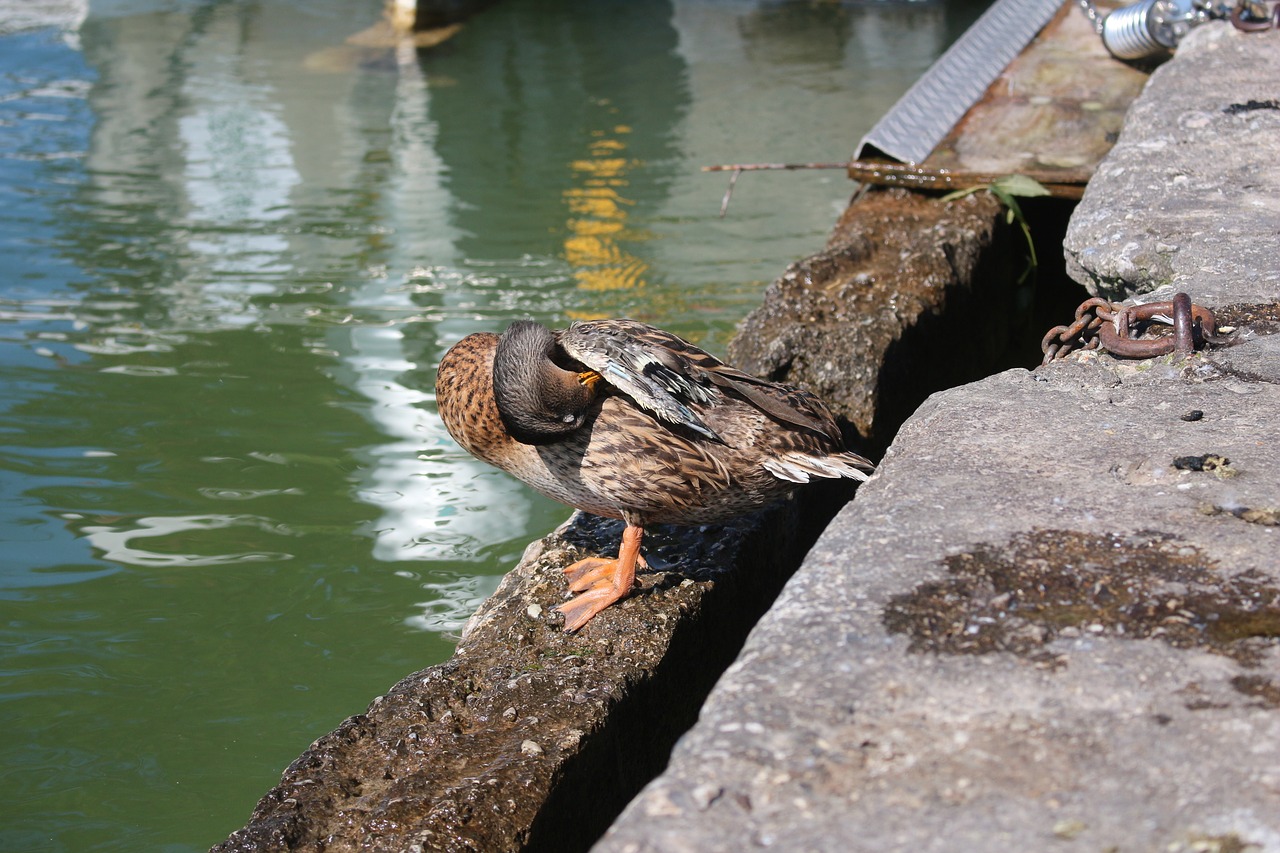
(623, 420)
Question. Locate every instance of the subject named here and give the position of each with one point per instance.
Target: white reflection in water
(225, 494)
(452, 602)
(142, 370)
(229, 173)
(239, 168)
(66, 15)
(428, 491)
(422, 484)
(116, 542)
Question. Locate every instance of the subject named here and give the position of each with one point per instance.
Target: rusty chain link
(1113, 327)
(1082, 334)
(1253, 16)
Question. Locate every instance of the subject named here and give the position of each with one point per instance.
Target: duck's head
(538, 400)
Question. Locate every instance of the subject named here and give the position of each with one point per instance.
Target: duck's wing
(783, 403)
(645, 364)
(665, 374)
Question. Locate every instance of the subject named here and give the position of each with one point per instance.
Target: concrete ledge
(528, 738)
(872, 323)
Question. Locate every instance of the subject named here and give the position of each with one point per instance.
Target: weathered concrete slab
(1052, 619)
(1191, 192)
(1030, 631)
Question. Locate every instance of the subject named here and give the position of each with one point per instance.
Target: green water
(233, 248)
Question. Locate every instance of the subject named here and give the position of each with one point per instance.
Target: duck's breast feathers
(464, 393)
(670, 376)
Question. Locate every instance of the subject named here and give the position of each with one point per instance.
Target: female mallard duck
(623, 420)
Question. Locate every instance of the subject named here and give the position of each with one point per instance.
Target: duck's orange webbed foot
(583, 574)
(599, 581)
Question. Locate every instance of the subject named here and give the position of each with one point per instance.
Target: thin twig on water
(738, 168)
(1063, 184)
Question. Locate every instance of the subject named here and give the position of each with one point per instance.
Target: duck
(621, 419)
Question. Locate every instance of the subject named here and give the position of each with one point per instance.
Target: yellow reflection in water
(596, 228)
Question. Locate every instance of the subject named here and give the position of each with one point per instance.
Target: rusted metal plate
(933, 105)
(1055, 111)
(1052, 114)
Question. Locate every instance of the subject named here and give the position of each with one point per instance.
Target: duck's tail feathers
(801, 467)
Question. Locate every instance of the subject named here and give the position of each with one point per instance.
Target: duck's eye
(567, 418)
